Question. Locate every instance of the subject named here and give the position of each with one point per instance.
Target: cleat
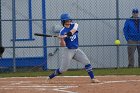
(47, 80)
(95, 81)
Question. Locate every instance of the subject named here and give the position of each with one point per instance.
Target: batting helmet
(135, 10)
(64, 17)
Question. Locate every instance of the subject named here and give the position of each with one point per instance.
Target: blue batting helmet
(64, 17)
(135, 10)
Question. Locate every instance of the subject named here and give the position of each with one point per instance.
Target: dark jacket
(131, 31)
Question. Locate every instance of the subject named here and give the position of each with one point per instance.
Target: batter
(69, 40)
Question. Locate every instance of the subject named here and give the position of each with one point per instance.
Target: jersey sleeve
(75, 26)
(61, 32)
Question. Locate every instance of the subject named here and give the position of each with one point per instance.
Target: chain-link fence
(100, 22)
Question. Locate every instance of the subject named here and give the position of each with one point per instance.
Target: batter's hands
(62, 36)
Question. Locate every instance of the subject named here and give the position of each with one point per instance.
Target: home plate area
(70, 84)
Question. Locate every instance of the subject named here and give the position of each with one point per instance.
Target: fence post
(44, 31)
(117, 33)
(30, 19)
(14, 33)
(0, 26)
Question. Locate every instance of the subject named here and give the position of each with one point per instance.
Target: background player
(71, 50)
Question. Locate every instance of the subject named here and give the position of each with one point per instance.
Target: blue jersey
(72, 41)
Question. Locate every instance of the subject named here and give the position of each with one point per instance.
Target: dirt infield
(109, 84)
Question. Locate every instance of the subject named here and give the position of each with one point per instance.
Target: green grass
(97, 72)
(120, 71)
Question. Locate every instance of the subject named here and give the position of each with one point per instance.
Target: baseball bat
(46, 35)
